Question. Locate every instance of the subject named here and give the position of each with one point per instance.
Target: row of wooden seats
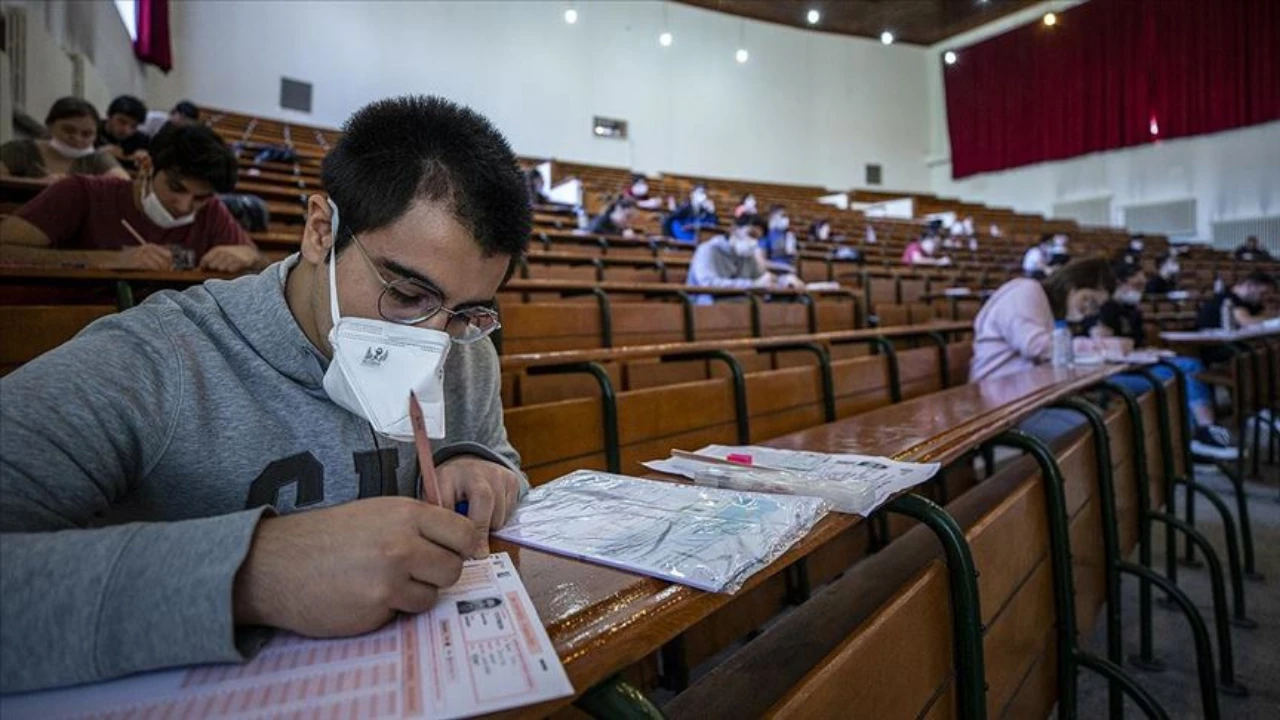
(654, 421)
(666, 397)
(879, 638)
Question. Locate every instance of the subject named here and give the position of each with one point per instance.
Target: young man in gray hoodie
(154, 470)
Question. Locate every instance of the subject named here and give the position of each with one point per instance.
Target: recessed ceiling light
(665, 39)
(1050, 19)
(742, 55)
(949, 57)
(571, 16)
(886, 37)
(813, 17)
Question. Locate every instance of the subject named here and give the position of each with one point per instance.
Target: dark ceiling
(917, 22)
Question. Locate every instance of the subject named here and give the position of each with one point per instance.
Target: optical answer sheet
(855, 484)
(481, 649)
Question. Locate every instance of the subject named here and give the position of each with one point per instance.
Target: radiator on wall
(1094, 211)
(1176, 218)
(15, 43)
(1230, 234)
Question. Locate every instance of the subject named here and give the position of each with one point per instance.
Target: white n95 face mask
(69, 152)
(157, 213)
(376, 364)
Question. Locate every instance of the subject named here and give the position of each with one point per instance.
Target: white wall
(806, 108)
(1231, 175)
(93, 29)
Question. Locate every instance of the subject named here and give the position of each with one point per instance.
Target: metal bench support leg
(966, 621)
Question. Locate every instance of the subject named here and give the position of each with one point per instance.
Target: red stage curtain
(1107, 75)
(152, 45)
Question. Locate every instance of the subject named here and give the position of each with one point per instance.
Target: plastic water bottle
(1061, 344)
(583, 220)
(1228, 319)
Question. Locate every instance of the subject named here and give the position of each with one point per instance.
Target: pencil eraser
(739, 458)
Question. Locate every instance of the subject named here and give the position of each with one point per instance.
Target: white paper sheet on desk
(481, 649)
(703, 537)
(855, 484)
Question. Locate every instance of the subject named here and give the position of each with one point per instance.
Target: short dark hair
(1126, 270)
(749, 220)
(1045, 238)
(623, 203)
(70, 108)
(1092, 273)
(195, 152)
(777, 208)
(396, 150)
(128, 106)
(1261, 277)
(637, 177)
(186, 109)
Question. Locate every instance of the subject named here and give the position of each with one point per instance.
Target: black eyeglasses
(409, 302)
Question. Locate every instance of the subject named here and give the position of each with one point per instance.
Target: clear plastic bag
(709, 538)
(854, 484)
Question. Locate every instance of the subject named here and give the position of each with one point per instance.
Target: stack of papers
(707, 538)
(481, 649)
(855, 484)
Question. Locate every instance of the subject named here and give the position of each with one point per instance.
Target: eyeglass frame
(387, 284)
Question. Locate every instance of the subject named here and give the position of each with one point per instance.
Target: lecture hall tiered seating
(607, 361)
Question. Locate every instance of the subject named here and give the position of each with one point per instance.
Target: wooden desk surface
(1201, 338)
(603, 620)
(79, 274)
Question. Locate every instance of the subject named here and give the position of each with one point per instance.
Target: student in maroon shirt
(91, 221)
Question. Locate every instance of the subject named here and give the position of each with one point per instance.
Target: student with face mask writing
(1165, 280)
(735, 261)
(73, 128)
(696, 213)
(1121, 316)
(255, 433)
(108, 222)
(1014, 329)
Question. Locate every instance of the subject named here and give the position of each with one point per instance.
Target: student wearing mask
(265, 465)
(1014, 329)
(1059, 252)
(183, 113)
(1165, 280)
(747, 206)
(91, 221)
(924, 252)
(779, 243)
(1245, 300)
(1131, 254)
(638, 193)
(962, 228)
(73, 125)
(735, 261)
(1035, 262)
(820, 231)
(692, 215)
(1121, 316)
(118, 133)
(1251, 251)
(616, 219)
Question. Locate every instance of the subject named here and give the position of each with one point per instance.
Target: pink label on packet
(739, 459)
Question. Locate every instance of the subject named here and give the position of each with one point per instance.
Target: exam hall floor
(1257, 652)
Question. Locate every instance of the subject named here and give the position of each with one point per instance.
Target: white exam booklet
(481, 649)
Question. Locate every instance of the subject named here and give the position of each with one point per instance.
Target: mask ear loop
(333, 260)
